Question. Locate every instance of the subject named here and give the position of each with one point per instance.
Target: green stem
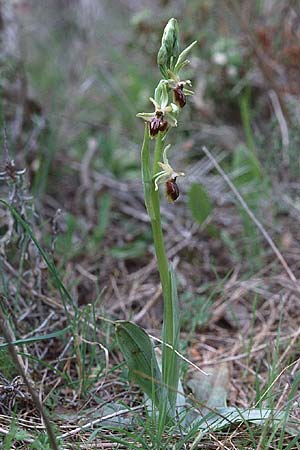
(170, 367)
(153, 206)
(162, 260)
(245, 109)
(160, 251)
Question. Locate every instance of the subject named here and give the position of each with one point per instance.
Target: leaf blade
(138, 351)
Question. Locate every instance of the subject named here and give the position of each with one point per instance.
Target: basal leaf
(225, 417)
(138, 351)
(170, 361)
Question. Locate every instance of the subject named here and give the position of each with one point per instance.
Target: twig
(252, 217)
(179, 354)
(96, 421)
(288, 348)
(287, 385)
(85, 177)
(260, 347)
(7, 335)
(282, 125)
(40, 327)
(139, 316)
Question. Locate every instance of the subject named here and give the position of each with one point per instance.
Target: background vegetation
(73, 76)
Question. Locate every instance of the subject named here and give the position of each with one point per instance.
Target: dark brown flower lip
(172, 190)
(154, 126)
(157, 124)
(163, 125)
(179, 96)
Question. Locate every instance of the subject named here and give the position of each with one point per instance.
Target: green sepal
(147, 117)
(161, 95)
(181, 61)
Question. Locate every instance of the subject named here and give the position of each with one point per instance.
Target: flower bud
(169, 50)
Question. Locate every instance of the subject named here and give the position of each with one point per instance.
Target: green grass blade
(30, 340)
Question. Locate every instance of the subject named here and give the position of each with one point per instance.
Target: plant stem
(162, 260)
(160, 251)
(245, 109)
(170, 366)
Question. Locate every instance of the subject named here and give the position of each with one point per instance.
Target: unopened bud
(169, 50)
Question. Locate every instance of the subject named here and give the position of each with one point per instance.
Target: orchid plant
(161, 384)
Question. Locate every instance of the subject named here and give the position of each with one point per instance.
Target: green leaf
(227, 416)
(199, 203)
(140, 357)
(174, 363)
(170, 360)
